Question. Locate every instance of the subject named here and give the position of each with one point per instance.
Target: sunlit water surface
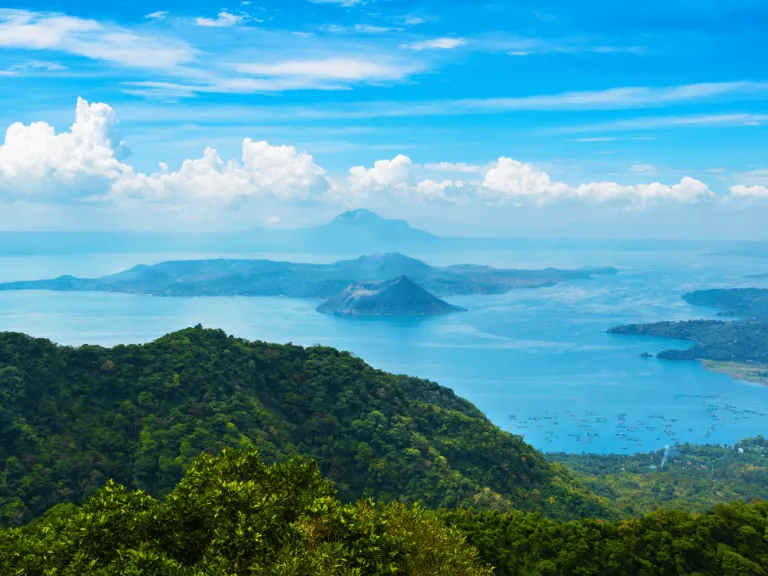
(537, 362)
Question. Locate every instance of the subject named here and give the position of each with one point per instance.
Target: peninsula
(738, 347)
(320, 281)
(397, 297)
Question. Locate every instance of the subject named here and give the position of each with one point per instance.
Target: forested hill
(72, 418)
(745, 341)
(744, 302)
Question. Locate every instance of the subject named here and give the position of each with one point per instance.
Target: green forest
(73, 418)
(201, 453)
(689, 477)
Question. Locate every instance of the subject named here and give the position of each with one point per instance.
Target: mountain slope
(397, 297)
(71, 418)
(745, 302)
(221, 277)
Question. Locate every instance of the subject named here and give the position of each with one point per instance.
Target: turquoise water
(537, 362)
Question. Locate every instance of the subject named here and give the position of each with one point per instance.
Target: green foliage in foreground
(233, 515)
(728, 541)
(694, 478)
(72, 418)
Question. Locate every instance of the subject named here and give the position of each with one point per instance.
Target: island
(398, 297)
(222, 277)
(735, 347)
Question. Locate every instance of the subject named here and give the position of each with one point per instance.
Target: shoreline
(755, 373)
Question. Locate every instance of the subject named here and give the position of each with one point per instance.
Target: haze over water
(538, 362)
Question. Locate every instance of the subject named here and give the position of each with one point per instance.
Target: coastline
(755, 373)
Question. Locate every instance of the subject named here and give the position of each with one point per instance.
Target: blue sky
(526, 118)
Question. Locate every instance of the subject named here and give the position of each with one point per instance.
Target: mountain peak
(399, 296)
(359, 216)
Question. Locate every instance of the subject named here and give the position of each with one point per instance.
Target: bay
(538, 362)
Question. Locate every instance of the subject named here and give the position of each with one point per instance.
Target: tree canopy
(233, 515)
(72, 418)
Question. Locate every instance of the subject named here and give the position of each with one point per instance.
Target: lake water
(537, 362)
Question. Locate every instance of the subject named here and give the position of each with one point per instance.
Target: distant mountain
(271, 278)
(397, 297)
(353, 231)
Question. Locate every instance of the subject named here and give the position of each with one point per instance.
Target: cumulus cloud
(34, 160)
(510, 180)
(88, 161)
(385, 174)
(756, 191)
(278, 171)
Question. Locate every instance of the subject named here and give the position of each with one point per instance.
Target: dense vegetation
(73, 418)
(745, 341)
(232, 515)
(744, 302)
(728, 541)
(688, 477)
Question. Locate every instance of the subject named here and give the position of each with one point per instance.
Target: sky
(527, 118)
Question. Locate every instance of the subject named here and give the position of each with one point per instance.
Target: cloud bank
(89, 162)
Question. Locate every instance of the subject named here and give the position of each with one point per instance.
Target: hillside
(688, 477)
(271, 278)
(745, 302)
(72, 418)
(397, 297)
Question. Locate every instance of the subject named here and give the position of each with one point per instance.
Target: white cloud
(88, 38)
(385, 174)
(273, 220)
(413, 21)
(88, 162)
(34, 160)
(436, 44)
(159, 15)
(263, 170)
(224, 19)
(346, 69)
(510, 180)
(741, 191)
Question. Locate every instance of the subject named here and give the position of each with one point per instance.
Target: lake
(538, 362)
